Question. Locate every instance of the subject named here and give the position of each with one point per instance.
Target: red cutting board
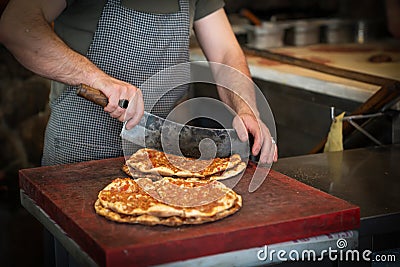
(281, 209)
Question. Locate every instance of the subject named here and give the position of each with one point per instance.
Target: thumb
(240, 128)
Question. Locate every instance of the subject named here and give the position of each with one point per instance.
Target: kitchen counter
(347, 56)
(381, 59)
(366, 177)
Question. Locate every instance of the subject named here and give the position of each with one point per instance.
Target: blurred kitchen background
(302, 116)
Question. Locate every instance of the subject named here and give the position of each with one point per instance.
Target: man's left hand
(264, 145)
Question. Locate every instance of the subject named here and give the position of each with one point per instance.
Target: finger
(136, 110)
(255, 130)
(118, 113)
(269, 147)
(275, 159)
(112, 105)
(119, 93)
(271, 154)
(267, 152)
(240, 128)
(131, 109)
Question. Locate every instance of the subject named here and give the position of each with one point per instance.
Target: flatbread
(125, 196)
(168, 201)
(195, 198)
(137, 174)
(168, 221)
(229, 173)
(151, 161)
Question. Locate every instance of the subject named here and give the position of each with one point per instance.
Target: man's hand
(117, 90)
(264, 144)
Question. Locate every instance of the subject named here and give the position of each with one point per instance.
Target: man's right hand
(117, 90)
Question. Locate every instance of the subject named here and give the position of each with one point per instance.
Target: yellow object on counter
(335, 136)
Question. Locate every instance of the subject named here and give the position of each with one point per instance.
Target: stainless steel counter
(366, 177)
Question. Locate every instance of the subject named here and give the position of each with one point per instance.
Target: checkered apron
(128, 45)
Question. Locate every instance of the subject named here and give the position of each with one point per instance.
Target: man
(115, 46)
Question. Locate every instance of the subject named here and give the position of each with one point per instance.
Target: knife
(172, 137)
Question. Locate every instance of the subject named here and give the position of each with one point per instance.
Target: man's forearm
(241, 95)
(25, 31)
(219, 45)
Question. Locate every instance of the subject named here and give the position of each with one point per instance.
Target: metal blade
(189, 141)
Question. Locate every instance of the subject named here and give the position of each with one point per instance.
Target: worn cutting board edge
(145, 256)
(254, 235)
(93, 249)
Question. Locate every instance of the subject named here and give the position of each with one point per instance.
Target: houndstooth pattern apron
(128, 45)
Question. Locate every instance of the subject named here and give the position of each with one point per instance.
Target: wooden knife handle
(92, 94)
